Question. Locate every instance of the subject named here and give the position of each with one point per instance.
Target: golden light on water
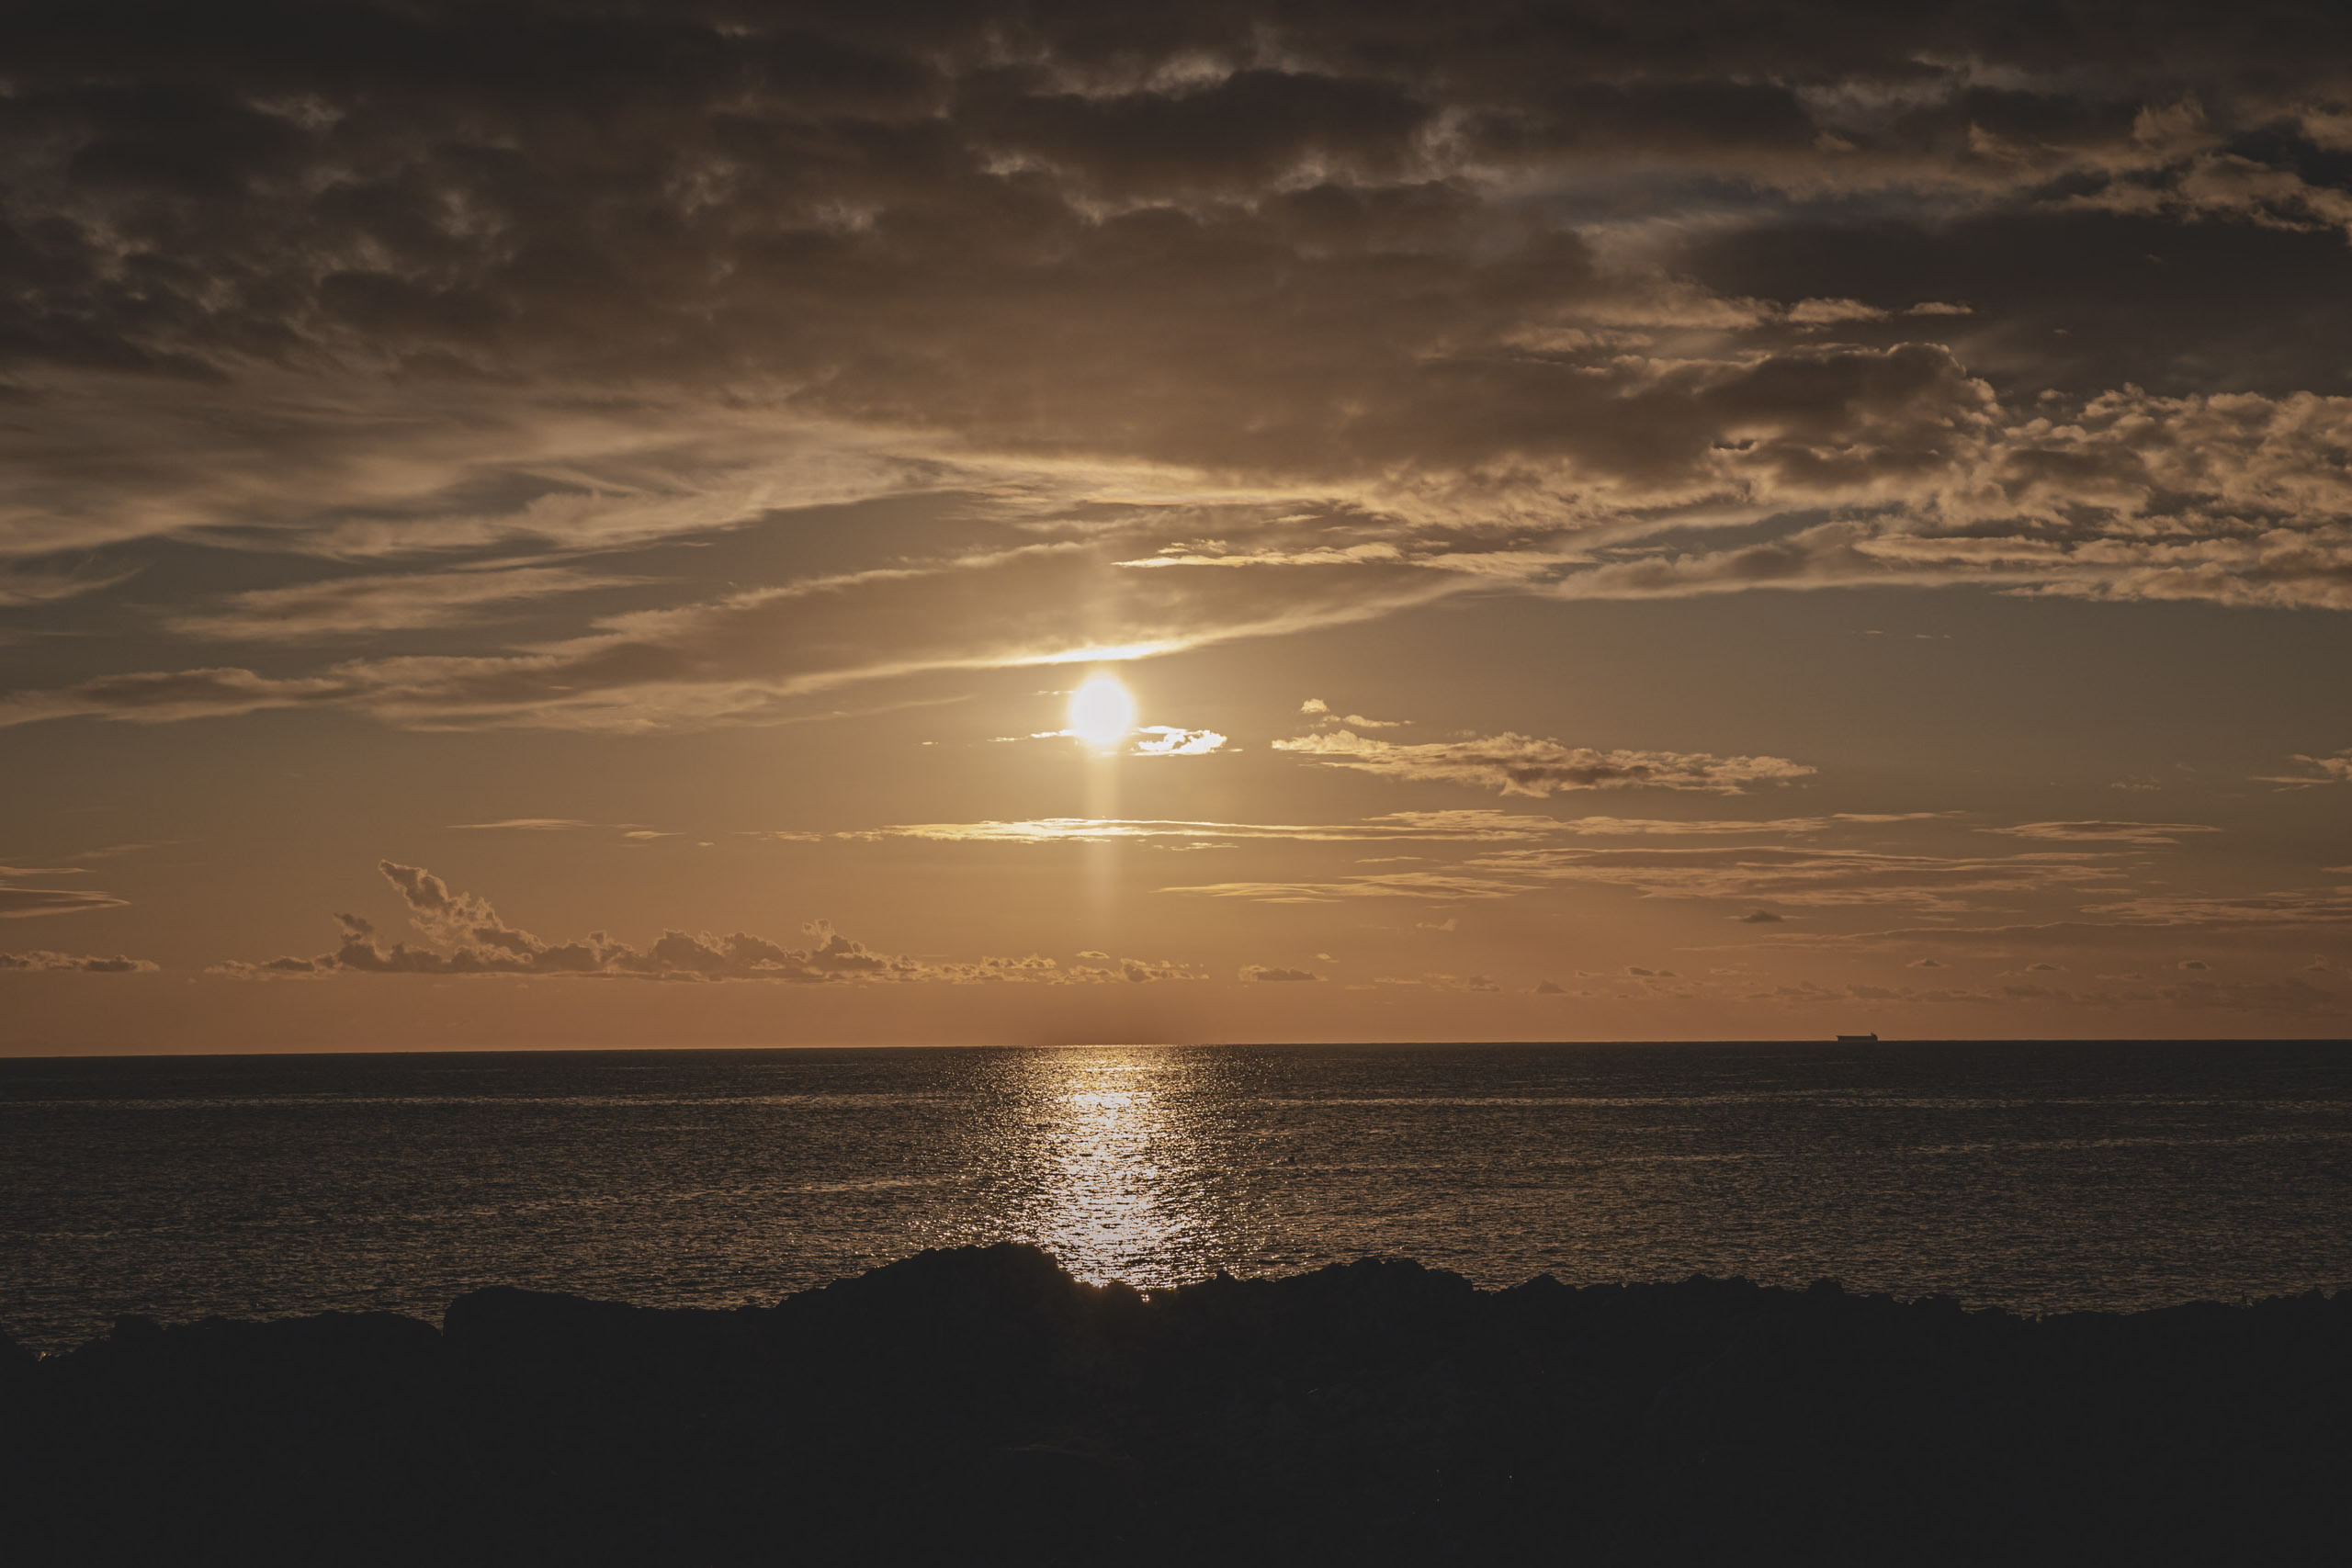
(1106, 1211)
(1124, 1190)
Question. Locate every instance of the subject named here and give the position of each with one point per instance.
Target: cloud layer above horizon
(501, 381)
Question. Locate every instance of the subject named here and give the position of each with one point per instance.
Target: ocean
(2041, 1176)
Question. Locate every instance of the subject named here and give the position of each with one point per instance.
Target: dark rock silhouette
(979, 1406)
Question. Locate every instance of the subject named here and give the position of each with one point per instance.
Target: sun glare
(1101, 711)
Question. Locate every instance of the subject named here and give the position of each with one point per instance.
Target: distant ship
(1858, 1040)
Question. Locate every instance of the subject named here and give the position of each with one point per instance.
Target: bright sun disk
(1101, 711)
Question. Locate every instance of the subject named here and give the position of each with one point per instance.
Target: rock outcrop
(981, 1405)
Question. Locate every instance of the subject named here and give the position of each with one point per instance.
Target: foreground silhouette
(979, 1404)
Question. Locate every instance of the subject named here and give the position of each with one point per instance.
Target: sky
(534, 524)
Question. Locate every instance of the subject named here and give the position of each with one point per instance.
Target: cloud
(631, 831)
(1133, 971)
(2194, 963)
(1519, 764)
(22, 588)
(1456, 825)
(1320, 711)
(2335, 769)
(1268, 972)
(1098, 829)
(1479, 983)
(759, 655)
(2148, 833)
(368, 606)
(168, 696)
(19, 902)
(1441, 886)
(1168, 741)
(1196, 327)
(44, 961)
(1807, 876)
(471, 939)
(2307, 907)
(1761, 918)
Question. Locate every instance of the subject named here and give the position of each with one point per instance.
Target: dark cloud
(1595, 301)
(44, 961)
(1271, 972)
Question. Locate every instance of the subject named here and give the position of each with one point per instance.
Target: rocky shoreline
(979, 1404)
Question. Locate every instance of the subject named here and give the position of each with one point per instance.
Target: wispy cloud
(23, 587)
(2330, 907)
(42, 961)
(20, 902)
(1466, 825)
(1436, 885)
(1806, 877)
(1520, 765)
(633, 831)
(368, 606)
(2095, 832)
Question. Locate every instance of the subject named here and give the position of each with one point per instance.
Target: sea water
(2039, 1176)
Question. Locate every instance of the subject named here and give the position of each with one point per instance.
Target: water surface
(2041, 1176)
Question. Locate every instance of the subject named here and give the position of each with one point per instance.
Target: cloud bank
(470, 939)
(411, 323)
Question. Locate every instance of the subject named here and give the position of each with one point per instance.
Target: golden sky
(589, 525)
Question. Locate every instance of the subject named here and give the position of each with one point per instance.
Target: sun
(1101, 711)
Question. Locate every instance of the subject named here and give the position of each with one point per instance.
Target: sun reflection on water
(1105, 1208)
(1121, 1188)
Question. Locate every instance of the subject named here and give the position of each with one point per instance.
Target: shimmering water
(2042, 1177)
